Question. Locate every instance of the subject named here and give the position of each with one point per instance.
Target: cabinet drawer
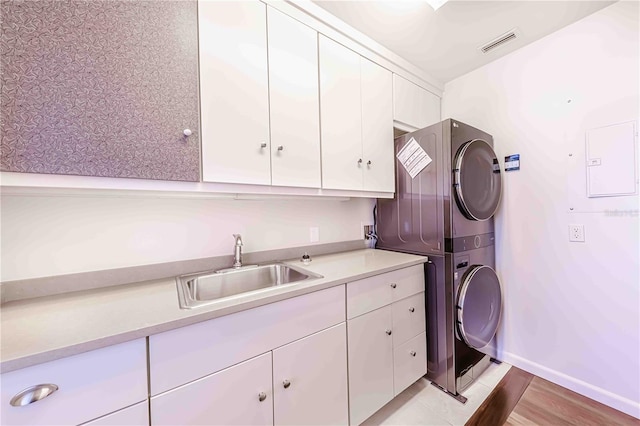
(180, 356)
(90, 385)
(136, 415)
(239, 395)
(408, 319)
(374, 292)
(409, 362)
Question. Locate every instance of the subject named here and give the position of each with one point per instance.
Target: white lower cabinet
(304, 382)
(136, 415)
(233, 369)
(370, 363)
(409, 363)
(85, 386)
(386, 338)
(238, 395)
(310, 380)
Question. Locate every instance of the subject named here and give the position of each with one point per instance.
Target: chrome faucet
(237, 252)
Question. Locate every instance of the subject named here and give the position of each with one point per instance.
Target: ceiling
(445, 43)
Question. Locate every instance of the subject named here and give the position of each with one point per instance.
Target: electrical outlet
(368, 229)
(314, 234)
(576, 232)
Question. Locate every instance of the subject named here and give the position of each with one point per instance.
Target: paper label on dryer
(413, 158)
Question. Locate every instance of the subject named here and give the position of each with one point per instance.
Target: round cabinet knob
(412, 353)
(33, 394)
(263, 145)
(280, 148)
(187, 132)
(394, 285)
(262, 396)
(359, 161)
(388, 332)
(412, 309)
(286, 384)
(369, 163)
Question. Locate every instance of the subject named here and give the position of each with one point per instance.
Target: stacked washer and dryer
(446, 213)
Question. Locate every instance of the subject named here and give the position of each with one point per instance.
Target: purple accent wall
(100, 88)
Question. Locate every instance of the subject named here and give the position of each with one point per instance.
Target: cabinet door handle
(369, 163)
(359, 161)
(286, 383)
(263, 145)
(388, 332)
(394, 285)
(412, 309)
(280, 148)
(187, 132)
(412, 353)
(262, 396)
(33, 394)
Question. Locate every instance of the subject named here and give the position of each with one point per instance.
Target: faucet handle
(238, 238)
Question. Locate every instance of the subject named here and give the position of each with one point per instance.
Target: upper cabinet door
(341, 116)
(234, 92)
(413, 106)
(377, 127)
(294, 102)
(92, 89)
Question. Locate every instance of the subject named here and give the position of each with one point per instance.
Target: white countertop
(47, 328)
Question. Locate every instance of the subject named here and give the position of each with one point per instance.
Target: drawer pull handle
(388, 332)
(412, 309)
(33, 394)
(286, 384)
(262, 396)
(394, 285)
(412, 353)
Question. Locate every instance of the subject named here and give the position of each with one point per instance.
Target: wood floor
(523, 399)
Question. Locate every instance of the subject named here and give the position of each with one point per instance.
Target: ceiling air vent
(499, 41)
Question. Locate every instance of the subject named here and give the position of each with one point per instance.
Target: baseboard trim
(603, 396)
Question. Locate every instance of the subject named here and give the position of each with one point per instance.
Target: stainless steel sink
(205, 288)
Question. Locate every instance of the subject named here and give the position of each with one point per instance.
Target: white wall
(571, 309)
(44, 236)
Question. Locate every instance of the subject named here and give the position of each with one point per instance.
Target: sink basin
(201, 289)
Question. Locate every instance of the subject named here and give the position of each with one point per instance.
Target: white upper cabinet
(377, 127)
(294, 102)
(341, 116)
(356, 110)
(234, 92)
(413, 106)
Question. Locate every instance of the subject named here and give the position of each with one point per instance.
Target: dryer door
(479, 306)
(477, 180)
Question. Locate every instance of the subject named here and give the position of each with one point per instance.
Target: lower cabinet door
(410, 362)
(136, 415)
(238, 395)
(370, 363)
(310, 380)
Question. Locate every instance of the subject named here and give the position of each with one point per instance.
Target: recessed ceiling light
(435, 4)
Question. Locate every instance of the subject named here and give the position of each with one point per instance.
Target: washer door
(477, 180)
(479, 306)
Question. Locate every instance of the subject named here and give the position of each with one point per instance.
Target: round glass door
(477, 180)
(479, 306)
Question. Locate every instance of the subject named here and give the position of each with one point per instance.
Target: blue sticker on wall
(512, 162)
